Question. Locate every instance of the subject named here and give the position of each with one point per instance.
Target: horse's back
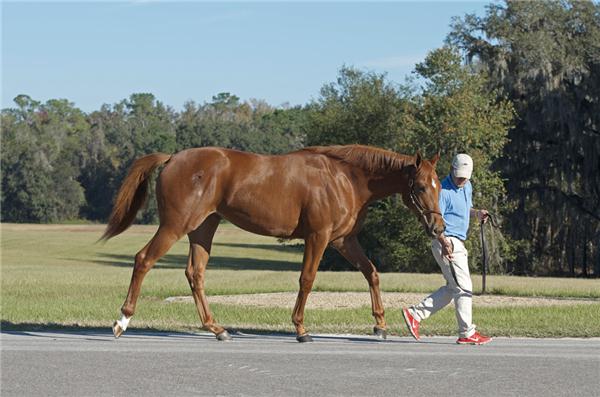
(278, 195)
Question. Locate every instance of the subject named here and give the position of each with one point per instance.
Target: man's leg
(433, 303)
(461, 288)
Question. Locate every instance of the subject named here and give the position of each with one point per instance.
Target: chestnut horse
(319, 194)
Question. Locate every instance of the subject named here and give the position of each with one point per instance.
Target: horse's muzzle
(436, 229)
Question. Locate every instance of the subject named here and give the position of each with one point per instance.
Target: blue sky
(282, 52)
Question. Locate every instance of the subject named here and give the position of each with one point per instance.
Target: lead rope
(484, 255)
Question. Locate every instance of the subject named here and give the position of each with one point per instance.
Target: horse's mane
(368, 158)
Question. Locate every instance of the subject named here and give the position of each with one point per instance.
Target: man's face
(460, 182)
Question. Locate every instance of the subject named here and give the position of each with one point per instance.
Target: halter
(415, 201)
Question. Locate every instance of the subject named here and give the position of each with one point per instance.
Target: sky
(93, 53)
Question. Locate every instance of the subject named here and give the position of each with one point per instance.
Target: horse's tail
(132, 194)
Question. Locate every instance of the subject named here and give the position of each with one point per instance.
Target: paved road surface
(95, 364)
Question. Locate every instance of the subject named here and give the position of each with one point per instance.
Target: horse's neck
(387, 184)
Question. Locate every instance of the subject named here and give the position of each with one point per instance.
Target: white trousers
(458, 288)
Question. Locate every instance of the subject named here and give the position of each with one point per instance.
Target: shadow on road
(61, 331)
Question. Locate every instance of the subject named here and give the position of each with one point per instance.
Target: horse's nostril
(437, 229)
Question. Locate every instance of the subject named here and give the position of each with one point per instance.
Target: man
(450, 253)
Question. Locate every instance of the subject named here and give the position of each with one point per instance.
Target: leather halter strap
(415, 201)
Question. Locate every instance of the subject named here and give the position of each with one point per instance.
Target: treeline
(517, 89)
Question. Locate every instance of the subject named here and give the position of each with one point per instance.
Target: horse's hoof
(304, 338)
(380, 333)
(224, 336)
(117, 330)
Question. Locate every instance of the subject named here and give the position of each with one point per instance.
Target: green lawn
(55, 276)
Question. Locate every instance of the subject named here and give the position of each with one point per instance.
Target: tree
(121, 133)
(545, 57)
(359, 107)
(253, 126)
(110, 150)
(41, 158)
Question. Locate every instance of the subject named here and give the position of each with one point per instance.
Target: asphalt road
(95, 364)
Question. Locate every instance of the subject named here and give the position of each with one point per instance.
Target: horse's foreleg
(314, 247)
(350, 248)
(200, 245)
(144, 260)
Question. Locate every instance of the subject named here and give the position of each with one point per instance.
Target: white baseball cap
(462, 166)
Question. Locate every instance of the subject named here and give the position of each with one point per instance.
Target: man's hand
(446, 247)
(483, 215)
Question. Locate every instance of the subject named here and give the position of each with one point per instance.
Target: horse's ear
(435, 159)
(418, 160)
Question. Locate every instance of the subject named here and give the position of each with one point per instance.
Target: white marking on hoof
(120, 325)
(117, 330)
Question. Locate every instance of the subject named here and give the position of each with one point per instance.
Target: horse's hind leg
(200, 245)
(350, 248)
(162, 241)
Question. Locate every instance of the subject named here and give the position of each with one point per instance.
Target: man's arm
(444, 241)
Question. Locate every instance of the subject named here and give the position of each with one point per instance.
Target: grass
(54, 275)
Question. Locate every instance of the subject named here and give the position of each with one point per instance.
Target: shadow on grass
(274, 247)
(215, 262)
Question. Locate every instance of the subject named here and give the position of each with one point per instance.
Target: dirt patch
(337, 300)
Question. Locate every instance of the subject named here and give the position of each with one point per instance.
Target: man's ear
(418, 160)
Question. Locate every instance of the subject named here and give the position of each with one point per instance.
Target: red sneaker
(411, 323)
(475, 339)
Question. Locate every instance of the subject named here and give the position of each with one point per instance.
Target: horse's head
(422, 195)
